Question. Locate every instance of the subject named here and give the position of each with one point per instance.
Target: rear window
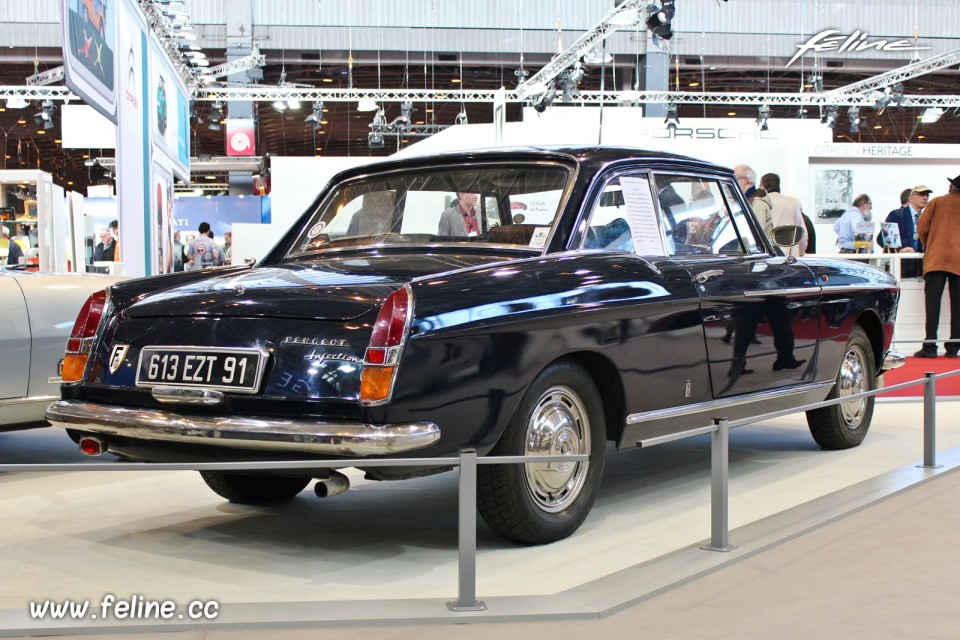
(512, 204)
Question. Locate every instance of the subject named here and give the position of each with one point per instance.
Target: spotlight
(801, 113)
(570, 83)
(853, 113)
(542, 103)
(214, 125)
(762, 116)
(461, 118)
(16, 103)
(315, 117)
(830, 117)
(658, 19)
(406, 111)
(672, 119)
(881, 99)
(374, 140)
(280, 105)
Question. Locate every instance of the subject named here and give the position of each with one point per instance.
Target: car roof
(589, 158)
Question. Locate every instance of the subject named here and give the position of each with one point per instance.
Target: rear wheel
(253, 489)
(845, 425)
(534, 503)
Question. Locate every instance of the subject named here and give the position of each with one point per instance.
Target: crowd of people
(195, 251)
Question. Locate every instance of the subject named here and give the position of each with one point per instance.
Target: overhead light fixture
(762, 116)
(659, 19)
(374, 140)
(293, 104)
(931, 115)
(461, 118)
(801, 113)
(829, 118)
(853, 113)
(671, 119)
(367, 105)
(545, 100)
(280, 105)
(16, 103)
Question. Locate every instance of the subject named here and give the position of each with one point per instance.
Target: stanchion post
(467, 543)
(930, 421)
(719, 488)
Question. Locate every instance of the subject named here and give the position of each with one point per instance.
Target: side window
(695, 218)
(609, 227)
(741, 220)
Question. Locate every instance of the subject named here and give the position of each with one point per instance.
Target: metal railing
(468, 461)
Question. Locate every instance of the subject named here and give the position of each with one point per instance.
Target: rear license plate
(237, 370)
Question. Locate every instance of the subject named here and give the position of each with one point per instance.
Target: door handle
(705, 276)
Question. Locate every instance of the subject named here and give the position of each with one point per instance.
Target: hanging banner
(89, 35)
(240, 137)
(162, 216)
(169, 111)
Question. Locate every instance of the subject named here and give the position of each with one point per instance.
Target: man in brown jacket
(939, 230)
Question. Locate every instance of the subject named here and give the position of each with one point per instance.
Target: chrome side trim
(892, 360)
(353, 439)
(757, 293)
(867, 286)
(701, 407)
(12, 402)
(186, 395)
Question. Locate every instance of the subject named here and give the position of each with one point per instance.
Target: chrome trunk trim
(353, 439)
(186, 395)
(723, 403)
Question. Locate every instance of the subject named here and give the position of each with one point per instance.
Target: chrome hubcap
(558, 426)
(853, 379)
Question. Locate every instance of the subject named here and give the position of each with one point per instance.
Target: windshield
(513, 204)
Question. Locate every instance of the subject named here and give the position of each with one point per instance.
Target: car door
(760, 312)
(14, 339)
(658, 344)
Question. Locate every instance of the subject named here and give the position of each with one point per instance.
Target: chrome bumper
(259, 434)
(892, 360)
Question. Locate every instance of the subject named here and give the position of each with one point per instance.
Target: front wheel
(845, 425)
(560, 413)
(253, 489)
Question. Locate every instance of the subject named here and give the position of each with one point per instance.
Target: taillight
(386, 344)
(82, 337)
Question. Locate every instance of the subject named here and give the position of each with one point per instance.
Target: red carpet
(915, 368)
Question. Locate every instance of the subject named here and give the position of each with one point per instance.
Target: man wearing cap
(906, 219)
(939, 231)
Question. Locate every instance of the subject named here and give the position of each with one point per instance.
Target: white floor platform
(388, 551)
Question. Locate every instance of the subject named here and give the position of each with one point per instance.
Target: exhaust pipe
(336, 484)
(90, 446)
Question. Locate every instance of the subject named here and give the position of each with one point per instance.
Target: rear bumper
(251, 433)
(892, 360)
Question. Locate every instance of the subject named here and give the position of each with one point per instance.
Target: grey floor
(832, 544)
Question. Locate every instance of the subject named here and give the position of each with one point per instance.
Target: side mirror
(787, 236)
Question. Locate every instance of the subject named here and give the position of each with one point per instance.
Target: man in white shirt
(785, 210)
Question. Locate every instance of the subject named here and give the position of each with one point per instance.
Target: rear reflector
(91, 446)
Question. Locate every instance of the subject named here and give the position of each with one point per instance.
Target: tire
(843, 426)
(560, 413)
(253, 489)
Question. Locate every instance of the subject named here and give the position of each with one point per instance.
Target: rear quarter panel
(480, 337)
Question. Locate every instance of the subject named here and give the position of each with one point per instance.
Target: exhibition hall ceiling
(344, 130)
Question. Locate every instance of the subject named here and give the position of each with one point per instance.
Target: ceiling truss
(623, 98)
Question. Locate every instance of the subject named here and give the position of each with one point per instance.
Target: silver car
(37, 312)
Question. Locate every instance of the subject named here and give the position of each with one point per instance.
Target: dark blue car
(530, 301)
